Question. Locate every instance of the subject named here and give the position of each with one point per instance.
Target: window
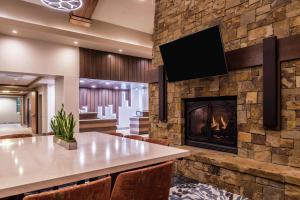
(18, 104)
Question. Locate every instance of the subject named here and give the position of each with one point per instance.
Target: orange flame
(216, 125)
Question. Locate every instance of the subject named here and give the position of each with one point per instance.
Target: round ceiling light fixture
(63, 5)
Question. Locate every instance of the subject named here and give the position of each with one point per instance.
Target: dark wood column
(271, 84)
(163, 93)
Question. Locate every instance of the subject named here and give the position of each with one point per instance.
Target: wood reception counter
(139, 125)
(98, 125)
(89, 122)
(88, 115)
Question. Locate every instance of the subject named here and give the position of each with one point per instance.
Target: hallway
(8, 129)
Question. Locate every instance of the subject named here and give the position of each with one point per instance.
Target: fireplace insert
(211, 122)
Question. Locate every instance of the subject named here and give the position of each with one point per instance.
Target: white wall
(50, 105)
(39, 57)
(8, 110)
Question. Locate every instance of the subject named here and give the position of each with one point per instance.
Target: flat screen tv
(195, 56)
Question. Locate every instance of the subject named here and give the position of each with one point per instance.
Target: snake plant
(63, 125)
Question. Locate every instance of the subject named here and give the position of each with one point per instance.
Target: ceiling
(16, 79)
(107, 84)
(18, 84)
(32, 20)
(133, 14)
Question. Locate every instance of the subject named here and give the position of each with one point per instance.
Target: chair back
(96, 190)
(144, 184)
(156, 141)
(135, 137)
(13, 136)
(117, 134)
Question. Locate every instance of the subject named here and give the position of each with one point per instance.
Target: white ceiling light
(120, 50)
(75, 42)
(63, 5)
(14, 31)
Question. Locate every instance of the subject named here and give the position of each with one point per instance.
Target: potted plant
(63, 127)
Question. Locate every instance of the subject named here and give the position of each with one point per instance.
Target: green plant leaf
(63, 125)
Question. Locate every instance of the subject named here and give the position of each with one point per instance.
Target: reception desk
(139, 125)
(88, 115)
(98, 125)
(90, 123)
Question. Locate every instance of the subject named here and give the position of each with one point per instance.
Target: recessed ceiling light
(107, 83)
(120, 50)
(75, 42)
(14, 31)
(81, 81)
(5, 91)
(63, 5)
(16, 79)
(116, 88)
(93, 86)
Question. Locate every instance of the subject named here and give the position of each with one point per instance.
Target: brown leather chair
(151, 183)
(117, 134)
(156, 141)
(135, 137)
(96, 190)
(13, 136)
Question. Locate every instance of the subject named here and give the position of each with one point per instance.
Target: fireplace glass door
(211, 123)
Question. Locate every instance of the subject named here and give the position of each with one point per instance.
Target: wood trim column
(271, 84)
(162, 87)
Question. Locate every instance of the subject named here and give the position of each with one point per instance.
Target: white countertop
(30, 164)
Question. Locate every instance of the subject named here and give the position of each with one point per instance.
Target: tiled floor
(8, 129)
(188, 189)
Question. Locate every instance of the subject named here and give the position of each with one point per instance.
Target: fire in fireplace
(211, 122)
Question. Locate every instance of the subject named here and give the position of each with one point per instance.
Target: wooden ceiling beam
(82, 16)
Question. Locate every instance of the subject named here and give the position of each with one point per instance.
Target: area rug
(188, 189)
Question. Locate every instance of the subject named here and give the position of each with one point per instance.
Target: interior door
(34, 112)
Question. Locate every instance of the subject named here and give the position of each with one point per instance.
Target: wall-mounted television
(195, 56)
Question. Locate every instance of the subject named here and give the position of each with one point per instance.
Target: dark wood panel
(110, 66)
(163, 102)
(271, 84)
(88, 115)
(244, 57)
(102, 97)
(100, 125)
(288, 49)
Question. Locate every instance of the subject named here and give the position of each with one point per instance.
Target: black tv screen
(195, 56)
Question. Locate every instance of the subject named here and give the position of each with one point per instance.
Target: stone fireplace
(211, 122)
(267, 162)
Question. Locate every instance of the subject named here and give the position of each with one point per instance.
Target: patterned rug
(188, 189)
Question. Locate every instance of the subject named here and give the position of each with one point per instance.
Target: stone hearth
(243, 23)
(244, 176)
